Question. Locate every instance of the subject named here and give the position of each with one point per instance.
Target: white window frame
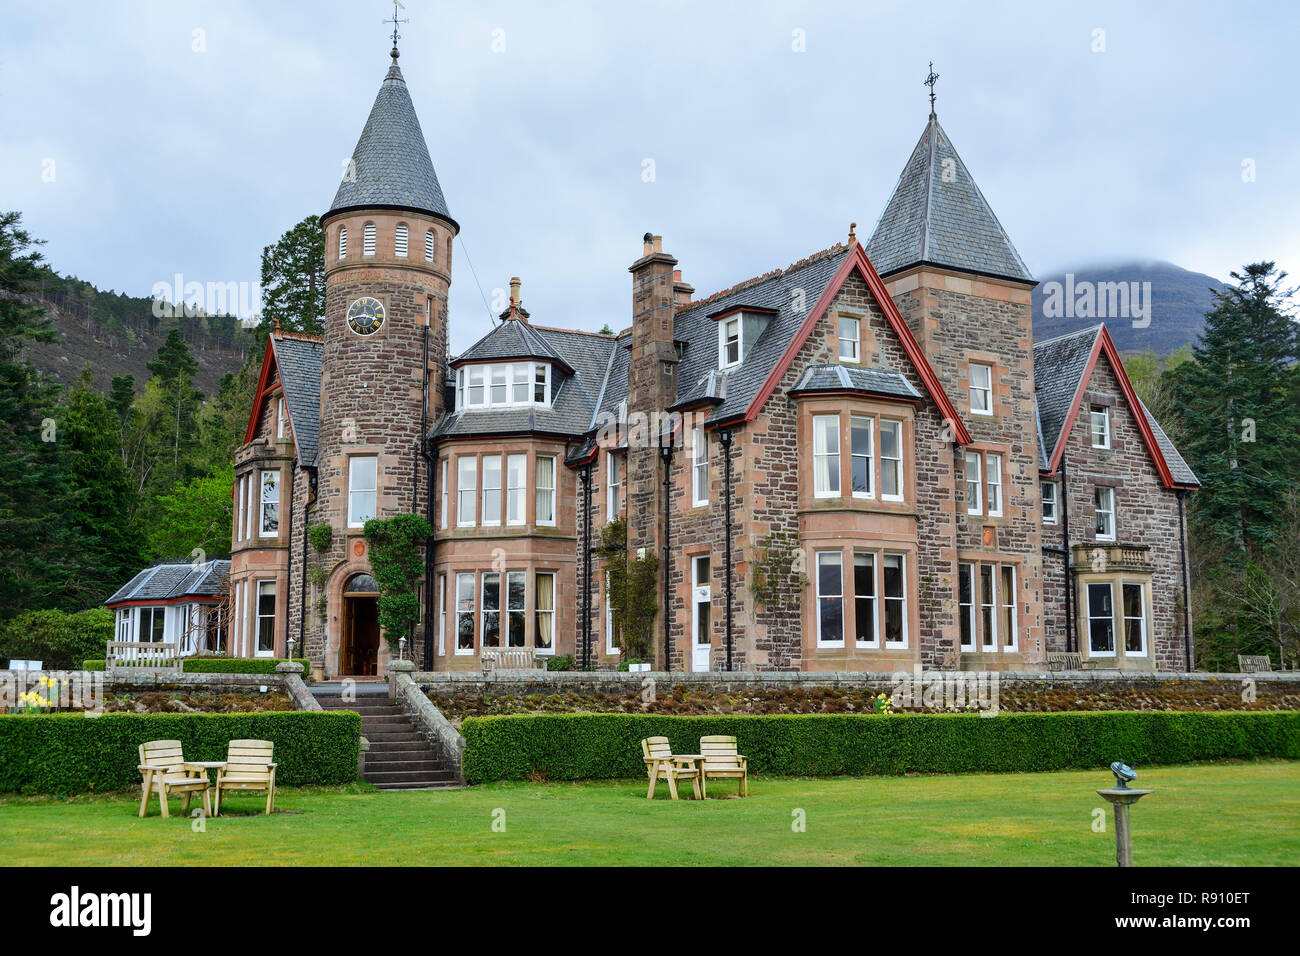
(699, 468)
(368, 239)
(353, 520)
(993, 480)
(984, 391)
(484, 610)
(491, 517)
(545, 491)
(724, 338)
(156, 612)
(988, 616)
(872, 600)
(900, 599)
(853, 340)
(470, 612)
(442, 614)
(442, 519)
(281, 418)
(870, 455)
(1099, 413)
(1104, 495)
(269, 477)
(466, 466)
(836, 559)
(826, 463)
(896, 426)
(1108, 618)
(966, 609)
(974, 505)
(613, 485)
(1007, 601)
(400, 237)
(258, 617)
(610, 646)
(516, 491)
(538, 610)
(515, 614)
(532, 379)
(1051, 503)
(1141, 618)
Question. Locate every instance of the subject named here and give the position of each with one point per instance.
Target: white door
(701, 621)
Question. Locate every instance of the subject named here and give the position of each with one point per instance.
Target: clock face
(366, 315)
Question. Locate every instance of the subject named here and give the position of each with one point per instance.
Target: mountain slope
(1165, 310)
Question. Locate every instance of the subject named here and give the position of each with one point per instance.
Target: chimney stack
(682, 290)
(514, 293)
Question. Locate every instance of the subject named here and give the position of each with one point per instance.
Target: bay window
(1135, 620)
(491, 626)
(895, 595)
(1101, 620)
(545, 490)
(265, 618)
(864, 600)
(862, 446)
(503, 385)
(491, 490)
(891, 459)
(516, 606)
(544, 611)
(269, 525)
(516, 488)
(465, 614)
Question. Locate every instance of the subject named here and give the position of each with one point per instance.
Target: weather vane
(395, 21)
(930, 81)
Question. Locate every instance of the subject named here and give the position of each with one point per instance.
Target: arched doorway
(359, 640)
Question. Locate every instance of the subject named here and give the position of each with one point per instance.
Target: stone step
(420, 777)
(427, 765)
(438, 785)
(406, 736)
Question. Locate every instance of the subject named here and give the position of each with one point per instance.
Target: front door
(359, 648)
(701, 620)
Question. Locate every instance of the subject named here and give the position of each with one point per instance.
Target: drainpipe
(1071, 635)
(424, 449)
(302, 591)
(1187, 591)
(585, 477)
(666, 452)
(288, 536)
(725, 438)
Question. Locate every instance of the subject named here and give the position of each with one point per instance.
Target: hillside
(113, 354)
(1178, 302)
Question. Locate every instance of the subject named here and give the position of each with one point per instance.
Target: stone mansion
(861, 461)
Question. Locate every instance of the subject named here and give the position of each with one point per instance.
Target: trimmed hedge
(219, 665)
(583, 746)
(71, 753)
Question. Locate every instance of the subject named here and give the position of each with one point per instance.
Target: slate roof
(574, 394)
(167, 582)
(855, 378)
(775, 290)
(299, 361)
(945, 223)
(391, 159)
(1059, 365)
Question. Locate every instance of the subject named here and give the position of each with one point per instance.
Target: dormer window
(504, 384)
(729, 349)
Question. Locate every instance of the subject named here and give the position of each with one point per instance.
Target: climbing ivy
(630, 589)
(777, 573)
(397, 560)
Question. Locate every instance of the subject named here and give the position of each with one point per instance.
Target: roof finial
(853, 234)
(930, 81)
(395, 21)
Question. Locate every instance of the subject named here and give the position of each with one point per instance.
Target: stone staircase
(399, 758)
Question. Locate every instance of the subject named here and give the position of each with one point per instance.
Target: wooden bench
(1254, 664)
(660, 764)
(721, 759)
(162, 766)
(1068, 661)
(248, 767)
(512, 659)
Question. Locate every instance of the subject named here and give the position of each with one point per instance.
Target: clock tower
(388, 238)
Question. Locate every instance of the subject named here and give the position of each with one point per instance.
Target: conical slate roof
(391, 165)
(938, 215)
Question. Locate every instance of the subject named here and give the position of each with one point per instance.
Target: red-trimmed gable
(857, 259)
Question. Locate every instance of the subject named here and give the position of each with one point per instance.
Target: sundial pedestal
(1121, 798)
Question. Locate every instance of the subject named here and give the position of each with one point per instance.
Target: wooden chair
(248, 767)
(722, 760)
(660, 764)
(1254, 664)
(162, 767)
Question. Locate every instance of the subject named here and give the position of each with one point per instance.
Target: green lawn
(1245, 814)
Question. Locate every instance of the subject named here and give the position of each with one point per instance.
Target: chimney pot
(514, 292)
(658, 243)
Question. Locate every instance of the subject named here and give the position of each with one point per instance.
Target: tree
(58, 639)
(293, 279)
(630, 590)
(197, 514)
(397, 559)
(1238, 415)
(38, 551)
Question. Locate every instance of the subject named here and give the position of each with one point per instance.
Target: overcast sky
(176, 151)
